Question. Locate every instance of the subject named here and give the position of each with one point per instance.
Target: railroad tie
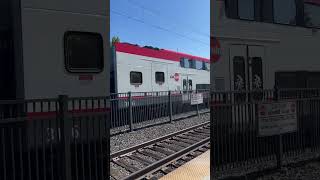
(166, 170)
(158, 149)
(187, 141)
(191, 137)
(140, 159)
(199, 134)
(182, 144)
(123, 164)
(202, 132)
(153, 155)
(171, 147)
(202, 149)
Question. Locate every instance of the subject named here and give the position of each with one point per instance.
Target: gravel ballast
(126, 140)
(310, 171)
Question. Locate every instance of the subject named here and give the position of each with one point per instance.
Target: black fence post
(279, 137)
(170, 106)
(65, 137)
(130, 112)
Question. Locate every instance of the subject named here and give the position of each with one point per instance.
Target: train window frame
(304, 17)
(254, 11)
(192, 63)
(231, 12)
(184, 84)
(260, 11)
(183, 62)
(295, 14)
(157, 80)
(190, 84)
(199, 65)
(205, 66)
(141, 77)
(100, 50)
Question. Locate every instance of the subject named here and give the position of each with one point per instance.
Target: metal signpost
(196, 99)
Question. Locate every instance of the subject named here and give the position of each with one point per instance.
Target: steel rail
(151, 142)
(157, 165)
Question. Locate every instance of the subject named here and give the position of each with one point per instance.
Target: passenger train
(50, 48)
(265, 43)
(147, 69)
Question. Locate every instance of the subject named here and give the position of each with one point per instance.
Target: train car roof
(155, 53)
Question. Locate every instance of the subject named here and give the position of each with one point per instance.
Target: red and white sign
(215, 49)
(277, 118)
(176, 76)
(196, 98)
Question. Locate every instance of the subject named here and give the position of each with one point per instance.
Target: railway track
(160, 156)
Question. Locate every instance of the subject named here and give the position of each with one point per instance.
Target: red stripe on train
(141, 97)
(77, 111)
(161, 54)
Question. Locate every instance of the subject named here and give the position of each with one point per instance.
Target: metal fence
(235, 139)
(132, 110)
(49, 139)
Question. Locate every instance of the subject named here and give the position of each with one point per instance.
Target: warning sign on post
(277, 118)
(196, 98)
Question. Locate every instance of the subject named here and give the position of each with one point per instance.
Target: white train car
(50, 48)
(265, 43)
(259, 45)
(147, 69)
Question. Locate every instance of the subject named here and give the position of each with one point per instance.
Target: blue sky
(182, 25)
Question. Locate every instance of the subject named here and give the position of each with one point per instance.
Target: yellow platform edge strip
(196, 169)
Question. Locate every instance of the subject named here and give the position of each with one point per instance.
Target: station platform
(196, 169)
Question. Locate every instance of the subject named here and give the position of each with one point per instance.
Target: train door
(159, 78)
(7, 72)
(187, 83)
(246, 67)
(184, 81)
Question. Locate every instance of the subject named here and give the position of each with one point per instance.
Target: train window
(199, 65)
(83, 52)
(264, 10)
(184, 84)
(181, 62)
(285, 12)
(135, 77)
(239, 73)
(246, 9)
(312, 15)
(192, 64)
(231, 8)
(206, 66)
(190, 84)
(184, 62)
(160, 77)
(202, 86)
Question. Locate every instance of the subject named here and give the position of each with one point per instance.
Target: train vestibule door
(187, 83)
(246, 67)
(246, 72)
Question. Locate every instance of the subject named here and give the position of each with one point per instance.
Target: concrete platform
(196, 169)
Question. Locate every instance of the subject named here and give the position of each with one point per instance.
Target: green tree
(114, 40)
